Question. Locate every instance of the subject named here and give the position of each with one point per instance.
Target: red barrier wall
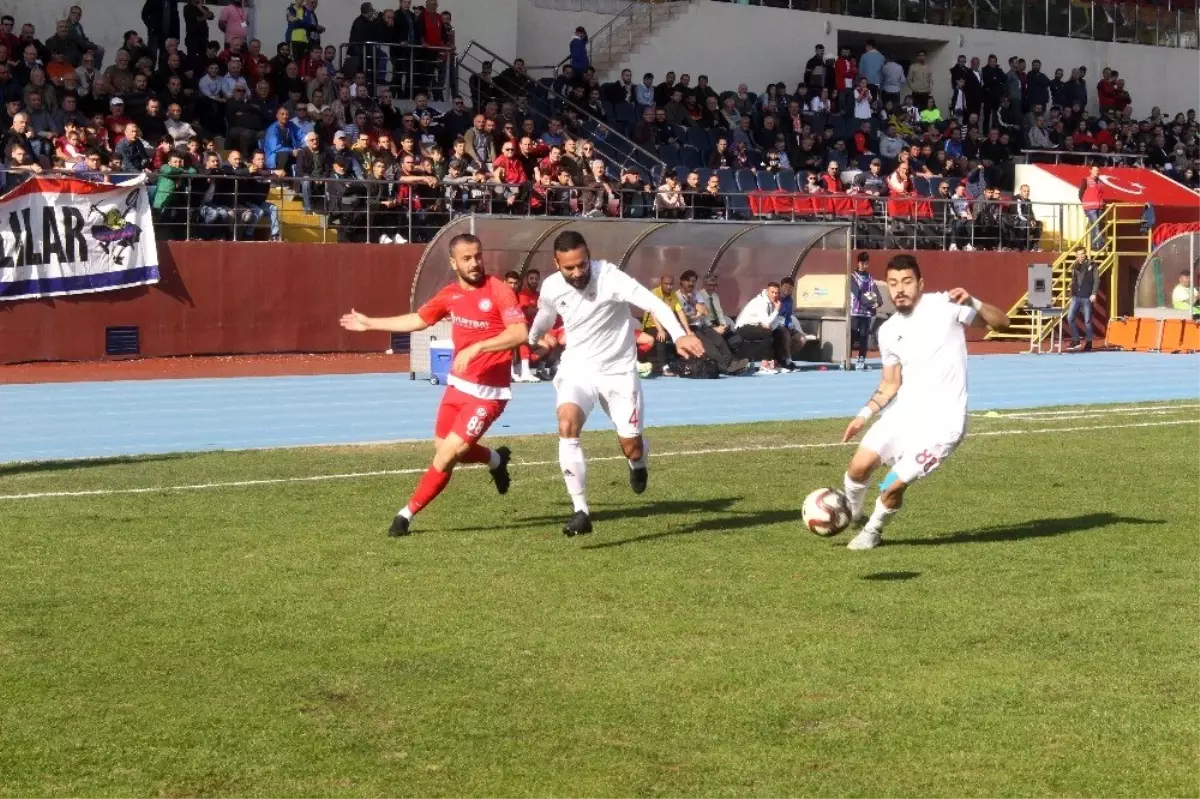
(225, 298)
(997, 277)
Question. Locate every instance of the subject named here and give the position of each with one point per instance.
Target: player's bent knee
(570, 421)
(863, 465)
(449, 451)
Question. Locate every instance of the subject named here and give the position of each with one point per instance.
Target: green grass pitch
(1032, 626)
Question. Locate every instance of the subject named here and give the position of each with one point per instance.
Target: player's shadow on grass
(1038, 528)
(36, 467)
(727, 522)
(661, 508)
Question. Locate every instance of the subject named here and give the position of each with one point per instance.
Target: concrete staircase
(298, 226)
(611, 47)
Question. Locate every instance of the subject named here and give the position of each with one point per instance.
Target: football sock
(880, 516)
(574, 471)
(430, 485)
(477, 453)
(524, 367)
(856, 493)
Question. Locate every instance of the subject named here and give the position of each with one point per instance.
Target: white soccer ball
(826, 512)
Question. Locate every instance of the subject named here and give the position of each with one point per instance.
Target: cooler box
(441, 357)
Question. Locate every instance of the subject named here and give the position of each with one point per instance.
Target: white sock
(494, 460)
(880, 516)
(574, 471)
(856, 493)
(406, 513)
(525, 367)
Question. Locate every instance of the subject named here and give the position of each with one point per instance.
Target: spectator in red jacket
(845, 76)
(1091, 196)
(1106, 91)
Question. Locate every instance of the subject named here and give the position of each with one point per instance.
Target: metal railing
(239, 207)
(405, 68)
(1080, 158)
(618, 34)
(616, 149)
(1170, 23)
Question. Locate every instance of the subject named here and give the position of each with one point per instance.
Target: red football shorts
(466, 416)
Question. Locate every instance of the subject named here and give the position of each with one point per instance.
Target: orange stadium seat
(1190, 339)
(1122, 333)
(1172, 335)
(1148, 335)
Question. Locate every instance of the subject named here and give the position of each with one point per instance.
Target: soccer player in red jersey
(488, 325)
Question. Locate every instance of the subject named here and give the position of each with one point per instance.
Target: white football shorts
(913, 449)
(619, 395)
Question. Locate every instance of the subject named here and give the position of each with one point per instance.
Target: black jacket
(1083, 279)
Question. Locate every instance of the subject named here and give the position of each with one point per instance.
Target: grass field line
(104, 492)
(1081, 413)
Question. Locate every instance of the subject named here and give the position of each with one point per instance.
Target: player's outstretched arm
(542, 322)
(889, 385)
(986, 315)
(407, 323)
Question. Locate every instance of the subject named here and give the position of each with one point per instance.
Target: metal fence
(239, 207)
(1169, 23)
(405, 68)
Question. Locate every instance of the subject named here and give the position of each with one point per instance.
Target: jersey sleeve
(435, 310)
(887, 349)
(507, 306)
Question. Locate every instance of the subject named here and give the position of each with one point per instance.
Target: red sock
(432, 483)
(477, 454)
(523, 352)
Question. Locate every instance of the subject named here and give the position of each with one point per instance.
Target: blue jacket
(278, 140)
(787, 307)
(870, 66)
(579, 54)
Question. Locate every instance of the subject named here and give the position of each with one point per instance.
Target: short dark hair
(529, 272)
(569, 240)
(786, 281)
(688, 275)
(463, 238)
(863, 257)
(772, 285)
(512, 274)
(904, 263)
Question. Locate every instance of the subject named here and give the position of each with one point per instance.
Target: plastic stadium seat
(610, 113)
(656, 175)
(681, 172)
(1172, 335)
(698, 138)
(746, 180)
(681, 133)
(739, 207)
(705, 173)
(690, 157)
(669, 153)
(627, 115)
(922, 186)
(787, 180)
(754, 156)
(767, 181)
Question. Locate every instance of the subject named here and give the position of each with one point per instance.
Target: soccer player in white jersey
(599, 364)
(924, 389)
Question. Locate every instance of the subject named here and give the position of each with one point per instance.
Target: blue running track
(84, 420)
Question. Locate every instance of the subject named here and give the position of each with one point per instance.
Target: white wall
(732, 43)
(545, 34)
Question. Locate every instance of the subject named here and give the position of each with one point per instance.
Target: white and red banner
(68, 236)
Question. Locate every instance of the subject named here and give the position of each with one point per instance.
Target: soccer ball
(826, 511)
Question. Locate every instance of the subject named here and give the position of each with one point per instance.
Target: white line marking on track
(318, 478)
(1080, 413)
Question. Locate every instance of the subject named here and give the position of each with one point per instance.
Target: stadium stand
(390, 135)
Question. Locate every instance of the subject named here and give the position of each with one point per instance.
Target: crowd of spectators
(386, 145)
